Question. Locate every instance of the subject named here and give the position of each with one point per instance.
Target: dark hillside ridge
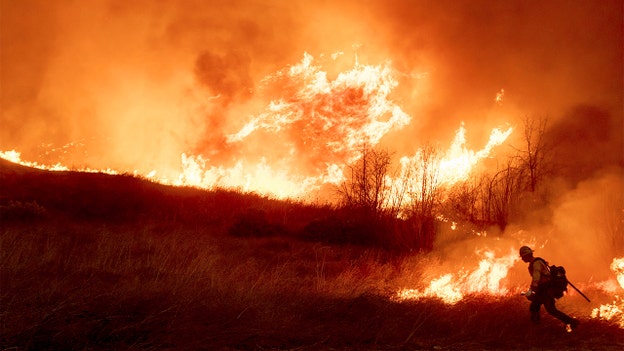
(29, 193)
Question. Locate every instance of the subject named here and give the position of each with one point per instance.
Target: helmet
(525, 250)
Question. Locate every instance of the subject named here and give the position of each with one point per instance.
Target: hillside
(101, 262)
(116, 198)
(29, 194)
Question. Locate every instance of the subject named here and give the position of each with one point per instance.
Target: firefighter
(539, 293)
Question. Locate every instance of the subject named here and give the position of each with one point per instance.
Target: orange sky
(133, 84)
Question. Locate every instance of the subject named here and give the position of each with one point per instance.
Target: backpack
(558, 283)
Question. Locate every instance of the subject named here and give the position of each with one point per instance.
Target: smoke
(136, 84)
(586, 230)
(587, 139)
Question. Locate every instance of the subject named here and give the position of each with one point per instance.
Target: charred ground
(93, 261)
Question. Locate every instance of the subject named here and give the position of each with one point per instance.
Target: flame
(453, 166)
(316, 127)
(261, 177)
(499, 97)
(276, 179)
(485, 279)
(441, 287)
(16, 157)
(459, 161)
(614, 311)
(349, 111)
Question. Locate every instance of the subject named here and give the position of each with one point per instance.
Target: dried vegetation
(95, 262)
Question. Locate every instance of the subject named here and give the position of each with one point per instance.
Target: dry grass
(100, 287)
(165, 274)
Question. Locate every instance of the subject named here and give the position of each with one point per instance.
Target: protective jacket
(540, 273)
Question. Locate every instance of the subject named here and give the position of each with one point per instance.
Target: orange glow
(316, 126)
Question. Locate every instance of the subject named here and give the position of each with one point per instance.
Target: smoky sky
(137, 83)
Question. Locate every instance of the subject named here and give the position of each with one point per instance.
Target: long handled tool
(578, 291)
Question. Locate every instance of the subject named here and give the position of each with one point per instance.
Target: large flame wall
(133, 85)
